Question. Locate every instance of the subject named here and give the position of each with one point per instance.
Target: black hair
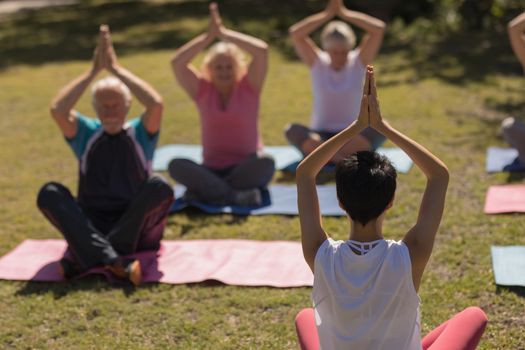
(366, 183)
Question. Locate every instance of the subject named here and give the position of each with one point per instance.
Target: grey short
(296, 134)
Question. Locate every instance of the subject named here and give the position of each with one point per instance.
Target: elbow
(442, 175)
(175, 59)
(157, 104)
(303, 174)
(54, 110)
(293, 32)
(263, 46)
(379, 28)
(511, 28)
(300, 174)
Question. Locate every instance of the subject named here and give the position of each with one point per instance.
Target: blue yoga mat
(508, 264)
(277, 200)
(286, 157)
(498, 158)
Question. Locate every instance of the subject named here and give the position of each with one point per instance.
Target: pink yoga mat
(505, 199)
(236, 262)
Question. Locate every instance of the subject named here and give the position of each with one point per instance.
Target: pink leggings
(461, 332)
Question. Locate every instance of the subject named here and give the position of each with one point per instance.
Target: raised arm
(374, 28)
(420, 238)
(516, 29)
(257, 48)
(147, 95)
(312, 232)
(300, 32)
(62, 105)
(186, 74)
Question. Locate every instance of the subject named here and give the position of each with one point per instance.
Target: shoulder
(354, 59)
(322, 60)
(204, 88)
(87, 122)
(327, 250)
(245, 86)
(398, 253)
(86, 126)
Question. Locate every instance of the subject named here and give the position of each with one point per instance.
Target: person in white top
(337, 72)
(513, 130)
(365, 288)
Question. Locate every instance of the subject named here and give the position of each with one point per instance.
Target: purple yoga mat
(230, 261)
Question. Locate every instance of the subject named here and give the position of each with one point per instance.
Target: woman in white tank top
(337, 73)
(365, 288)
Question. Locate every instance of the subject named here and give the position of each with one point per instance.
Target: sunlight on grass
(456, 120)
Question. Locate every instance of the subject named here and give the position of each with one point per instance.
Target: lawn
(448, 93)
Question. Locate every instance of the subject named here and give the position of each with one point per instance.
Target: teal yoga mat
(508, 264)
(498, 158)
(286, 157)
(277, 200)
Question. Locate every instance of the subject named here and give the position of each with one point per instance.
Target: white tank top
(336, 94)
(368, 301)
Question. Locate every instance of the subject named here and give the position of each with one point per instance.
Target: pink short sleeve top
(228, 134)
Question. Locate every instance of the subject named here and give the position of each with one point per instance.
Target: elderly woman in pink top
(227, 92)
(337, 73)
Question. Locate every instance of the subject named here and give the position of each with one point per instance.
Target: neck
(338, 68)
(372, 231)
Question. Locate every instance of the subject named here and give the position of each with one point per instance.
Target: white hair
(228, 49)
(337, 31)
(110, 82)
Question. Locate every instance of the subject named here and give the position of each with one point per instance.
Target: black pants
(92, 238)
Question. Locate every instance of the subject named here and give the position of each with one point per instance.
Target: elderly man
(120, 207)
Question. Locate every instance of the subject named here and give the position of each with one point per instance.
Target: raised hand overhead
(109, 56)
(215, 21)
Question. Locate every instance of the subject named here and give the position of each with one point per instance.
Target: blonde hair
(109, 83)
(228, 49)
(337, 31)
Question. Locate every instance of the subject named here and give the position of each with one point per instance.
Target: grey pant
(514, 133)
(218, 186)
(296, 134)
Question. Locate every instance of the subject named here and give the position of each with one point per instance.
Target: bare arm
(186, 74)
(420, 238)
(300, 32)
(62, 105)
(375, 30)
(312, 232)
(257, 48)
(516, 29)
(147, 95)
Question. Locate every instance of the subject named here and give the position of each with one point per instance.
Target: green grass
(448, 94)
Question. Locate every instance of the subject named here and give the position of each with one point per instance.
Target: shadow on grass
(518, 290)
(69, 33)
(59, 290)
(515, 177)
(197, 219)
(456, 58)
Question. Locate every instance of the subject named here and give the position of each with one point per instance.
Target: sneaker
(251, 198)
(515, 166)
(69, 269)
(128, 269)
